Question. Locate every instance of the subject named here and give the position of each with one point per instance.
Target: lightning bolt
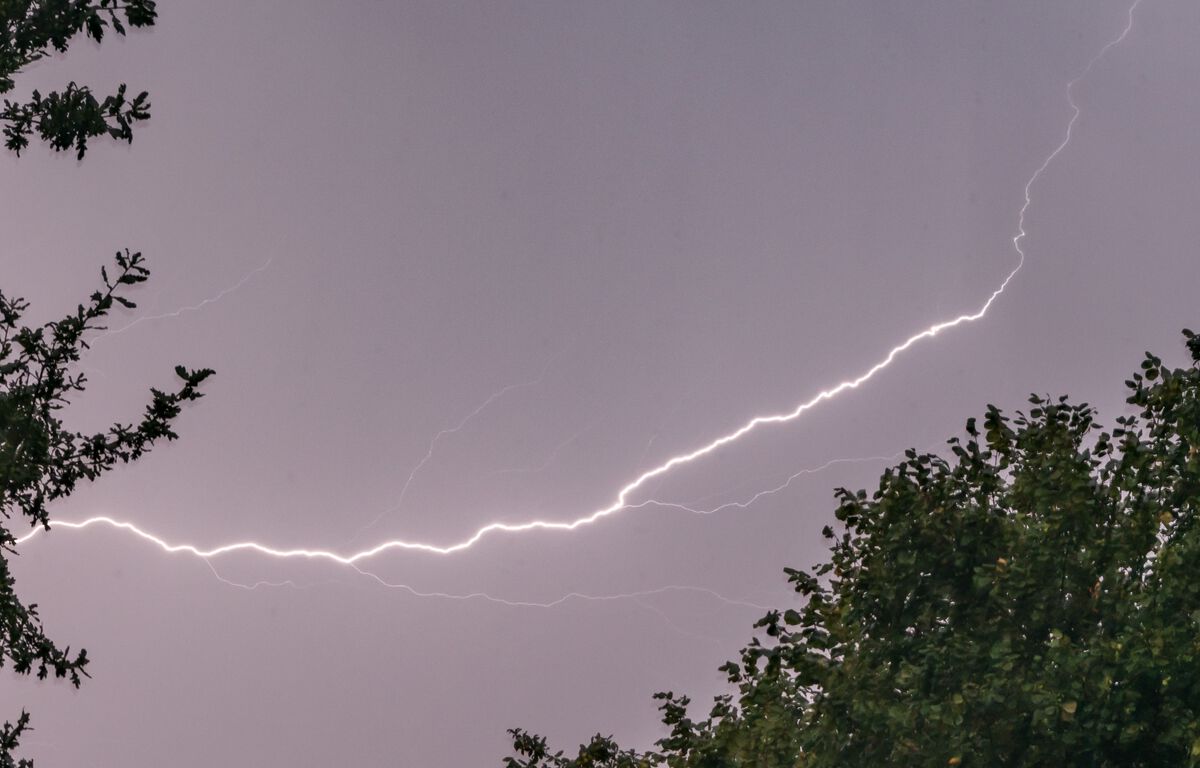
(511, 603)
(351, 560)
(570, 596)
(450, 431)
(550, 457)
(1075, 112)
(621, 500)
(637, 597)
(261, 582)
(191, 308)
(761, 494)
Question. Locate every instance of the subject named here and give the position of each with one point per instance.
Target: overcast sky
(576, 239)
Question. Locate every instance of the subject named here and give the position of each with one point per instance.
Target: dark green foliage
(42, 461)
(67, 118)
(600, 752)
(1029, 600)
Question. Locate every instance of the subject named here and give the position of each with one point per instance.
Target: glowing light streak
(636, 597)
(191, 308)
(675, 626)
(450, 431)
(761, 494)
(679, 403)
(621, 501)
(569, 597)
(260, 583)
(550, 457)
(1075, 112)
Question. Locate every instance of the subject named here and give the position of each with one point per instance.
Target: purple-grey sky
(624, 228)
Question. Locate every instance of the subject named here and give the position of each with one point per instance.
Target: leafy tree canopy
(41, 460)
(1029, 600)
(66, 119)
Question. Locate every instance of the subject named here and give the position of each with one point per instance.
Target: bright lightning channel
(621, 501)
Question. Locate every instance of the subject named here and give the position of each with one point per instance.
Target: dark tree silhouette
(1032, 599)
(70, 117)
(41, 460)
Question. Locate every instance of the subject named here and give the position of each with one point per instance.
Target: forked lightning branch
(625, 498)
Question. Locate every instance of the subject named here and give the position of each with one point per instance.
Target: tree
(1029, 600)
(42, 461)
(70, 117)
